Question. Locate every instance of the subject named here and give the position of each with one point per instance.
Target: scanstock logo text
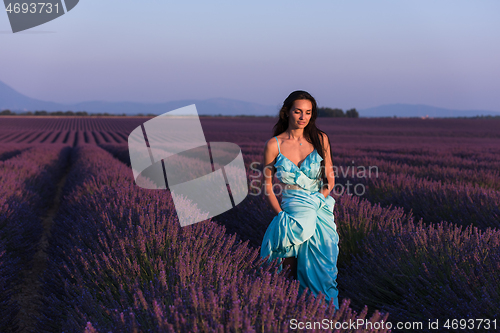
(170, 152)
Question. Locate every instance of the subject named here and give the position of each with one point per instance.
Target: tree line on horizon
(337, 113)
(322, 112)
(67, 113)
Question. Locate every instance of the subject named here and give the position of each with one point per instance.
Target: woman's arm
(270, 153)
(330, 176)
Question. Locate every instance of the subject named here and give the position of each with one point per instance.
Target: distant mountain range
(420, 110)
(17, 102)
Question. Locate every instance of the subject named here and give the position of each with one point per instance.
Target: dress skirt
(305, 229)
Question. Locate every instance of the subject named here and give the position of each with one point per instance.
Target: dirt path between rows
(30, 296)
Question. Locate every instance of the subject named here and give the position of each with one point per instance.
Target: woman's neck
(295, 134)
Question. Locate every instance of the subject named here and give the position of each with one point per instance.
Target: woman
(304, 231)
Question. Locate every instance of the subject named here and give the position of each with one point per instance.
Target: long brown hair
(312, 134)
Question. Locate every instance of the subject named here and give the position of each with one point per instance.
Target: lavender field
(83, 249)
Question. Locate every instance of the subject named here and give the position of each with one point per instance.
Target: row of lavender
(421, 289)
(118, 259)
(52, 123)
(464, 165)
(408, 178)
(387, 261)
(385, 241)
(425, 272)
(469, 283)
(367, 224)
(69, 137)
(460, 186)
(259, 129)
(28, 177)
(466, 132)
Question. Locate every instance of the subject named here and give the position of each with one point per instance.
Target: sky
(347, 54)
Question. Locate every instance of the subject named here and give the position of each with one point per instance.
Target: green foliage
(352, 113)
(329, 112)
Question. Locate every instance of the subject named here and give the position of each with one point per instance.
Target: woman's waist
(287, 187)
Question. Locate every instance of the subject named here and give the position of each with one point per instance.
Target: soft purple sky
(346, 53)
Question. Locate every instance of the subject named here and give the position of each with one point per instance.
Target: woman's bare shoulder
(271, 145)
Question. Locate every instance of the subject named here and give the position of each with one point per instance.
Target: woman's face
(300, 113)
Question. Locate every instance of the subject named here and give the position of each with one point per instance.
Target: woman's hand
(325, 192)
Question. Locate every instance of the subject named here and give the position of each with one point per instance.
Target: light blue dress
(305, 227)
